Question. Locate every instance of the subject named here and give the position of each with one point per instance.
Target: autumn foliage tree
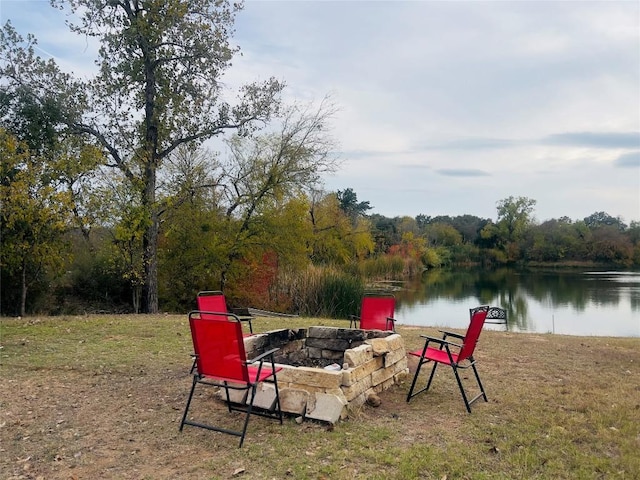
(243, 212)
(158, 87)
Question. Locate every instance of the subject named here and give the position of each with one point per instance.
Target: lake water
(598, 303)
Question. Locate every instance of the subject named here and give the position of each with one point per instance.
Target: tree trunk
(23, 296)
(136, 295)
(150, 243)
(150, 239)
(150, 293)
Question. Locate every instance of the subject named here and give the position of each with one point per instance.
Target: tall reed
(318, 291)
(389, 267)
(384, 267)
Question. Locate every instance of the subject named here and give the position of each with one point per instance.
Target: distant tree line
(514, 238)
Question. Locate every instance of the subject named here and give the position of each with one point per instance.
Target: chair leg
(433, 372)
(482, 392)
(464, 395)
(226, 391)
(467, 402)
(411, 394)
(248, 413)
(275, 384)
(186, 410)
(276, 414)
(415, 379)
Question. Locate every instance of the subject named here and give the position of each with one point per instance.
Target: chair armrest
(244, 315)
(441, 341)
(451, 334)
(262, 356)
(241, 312)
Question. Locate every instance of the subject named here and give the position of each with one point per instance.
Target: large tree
(159, 86)
(271, 169)
(515, 215)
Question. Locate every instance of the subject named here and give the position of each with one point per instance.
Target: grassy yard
(102, 397)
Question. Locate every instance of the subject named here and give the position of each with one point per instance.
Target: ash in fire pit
(369, 362)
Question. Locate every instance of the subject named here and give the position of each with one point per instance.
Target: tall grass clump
(390, 267)
(384, 267)
(318, 291)
(340, 294)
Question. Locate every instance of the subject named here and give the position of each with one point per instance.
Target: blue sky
(446, 107)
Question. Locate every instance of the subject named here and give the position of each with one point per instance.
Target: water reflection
(573, 302)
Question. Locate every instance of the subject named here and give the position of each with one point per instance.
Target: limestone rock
(373, 400)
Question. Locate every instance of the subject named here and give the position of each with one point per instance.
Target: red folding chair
(456, 355)
(376, 313)
(214, 301)
(221, 362)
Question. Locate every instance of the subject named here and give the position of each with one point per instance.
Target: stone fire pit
(327, 371)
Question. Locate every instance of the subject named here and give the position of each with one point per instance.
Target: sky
(447, 107)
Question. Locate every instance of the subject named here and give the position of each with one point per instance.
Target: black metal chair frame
(455, 366)
(446, 345)
(251, 388)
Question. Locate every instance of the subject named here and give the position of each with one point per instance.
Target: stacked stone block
(373, 367)
(368, 362)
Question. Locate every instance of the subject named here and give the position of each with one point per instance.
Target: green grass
(102, 396)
